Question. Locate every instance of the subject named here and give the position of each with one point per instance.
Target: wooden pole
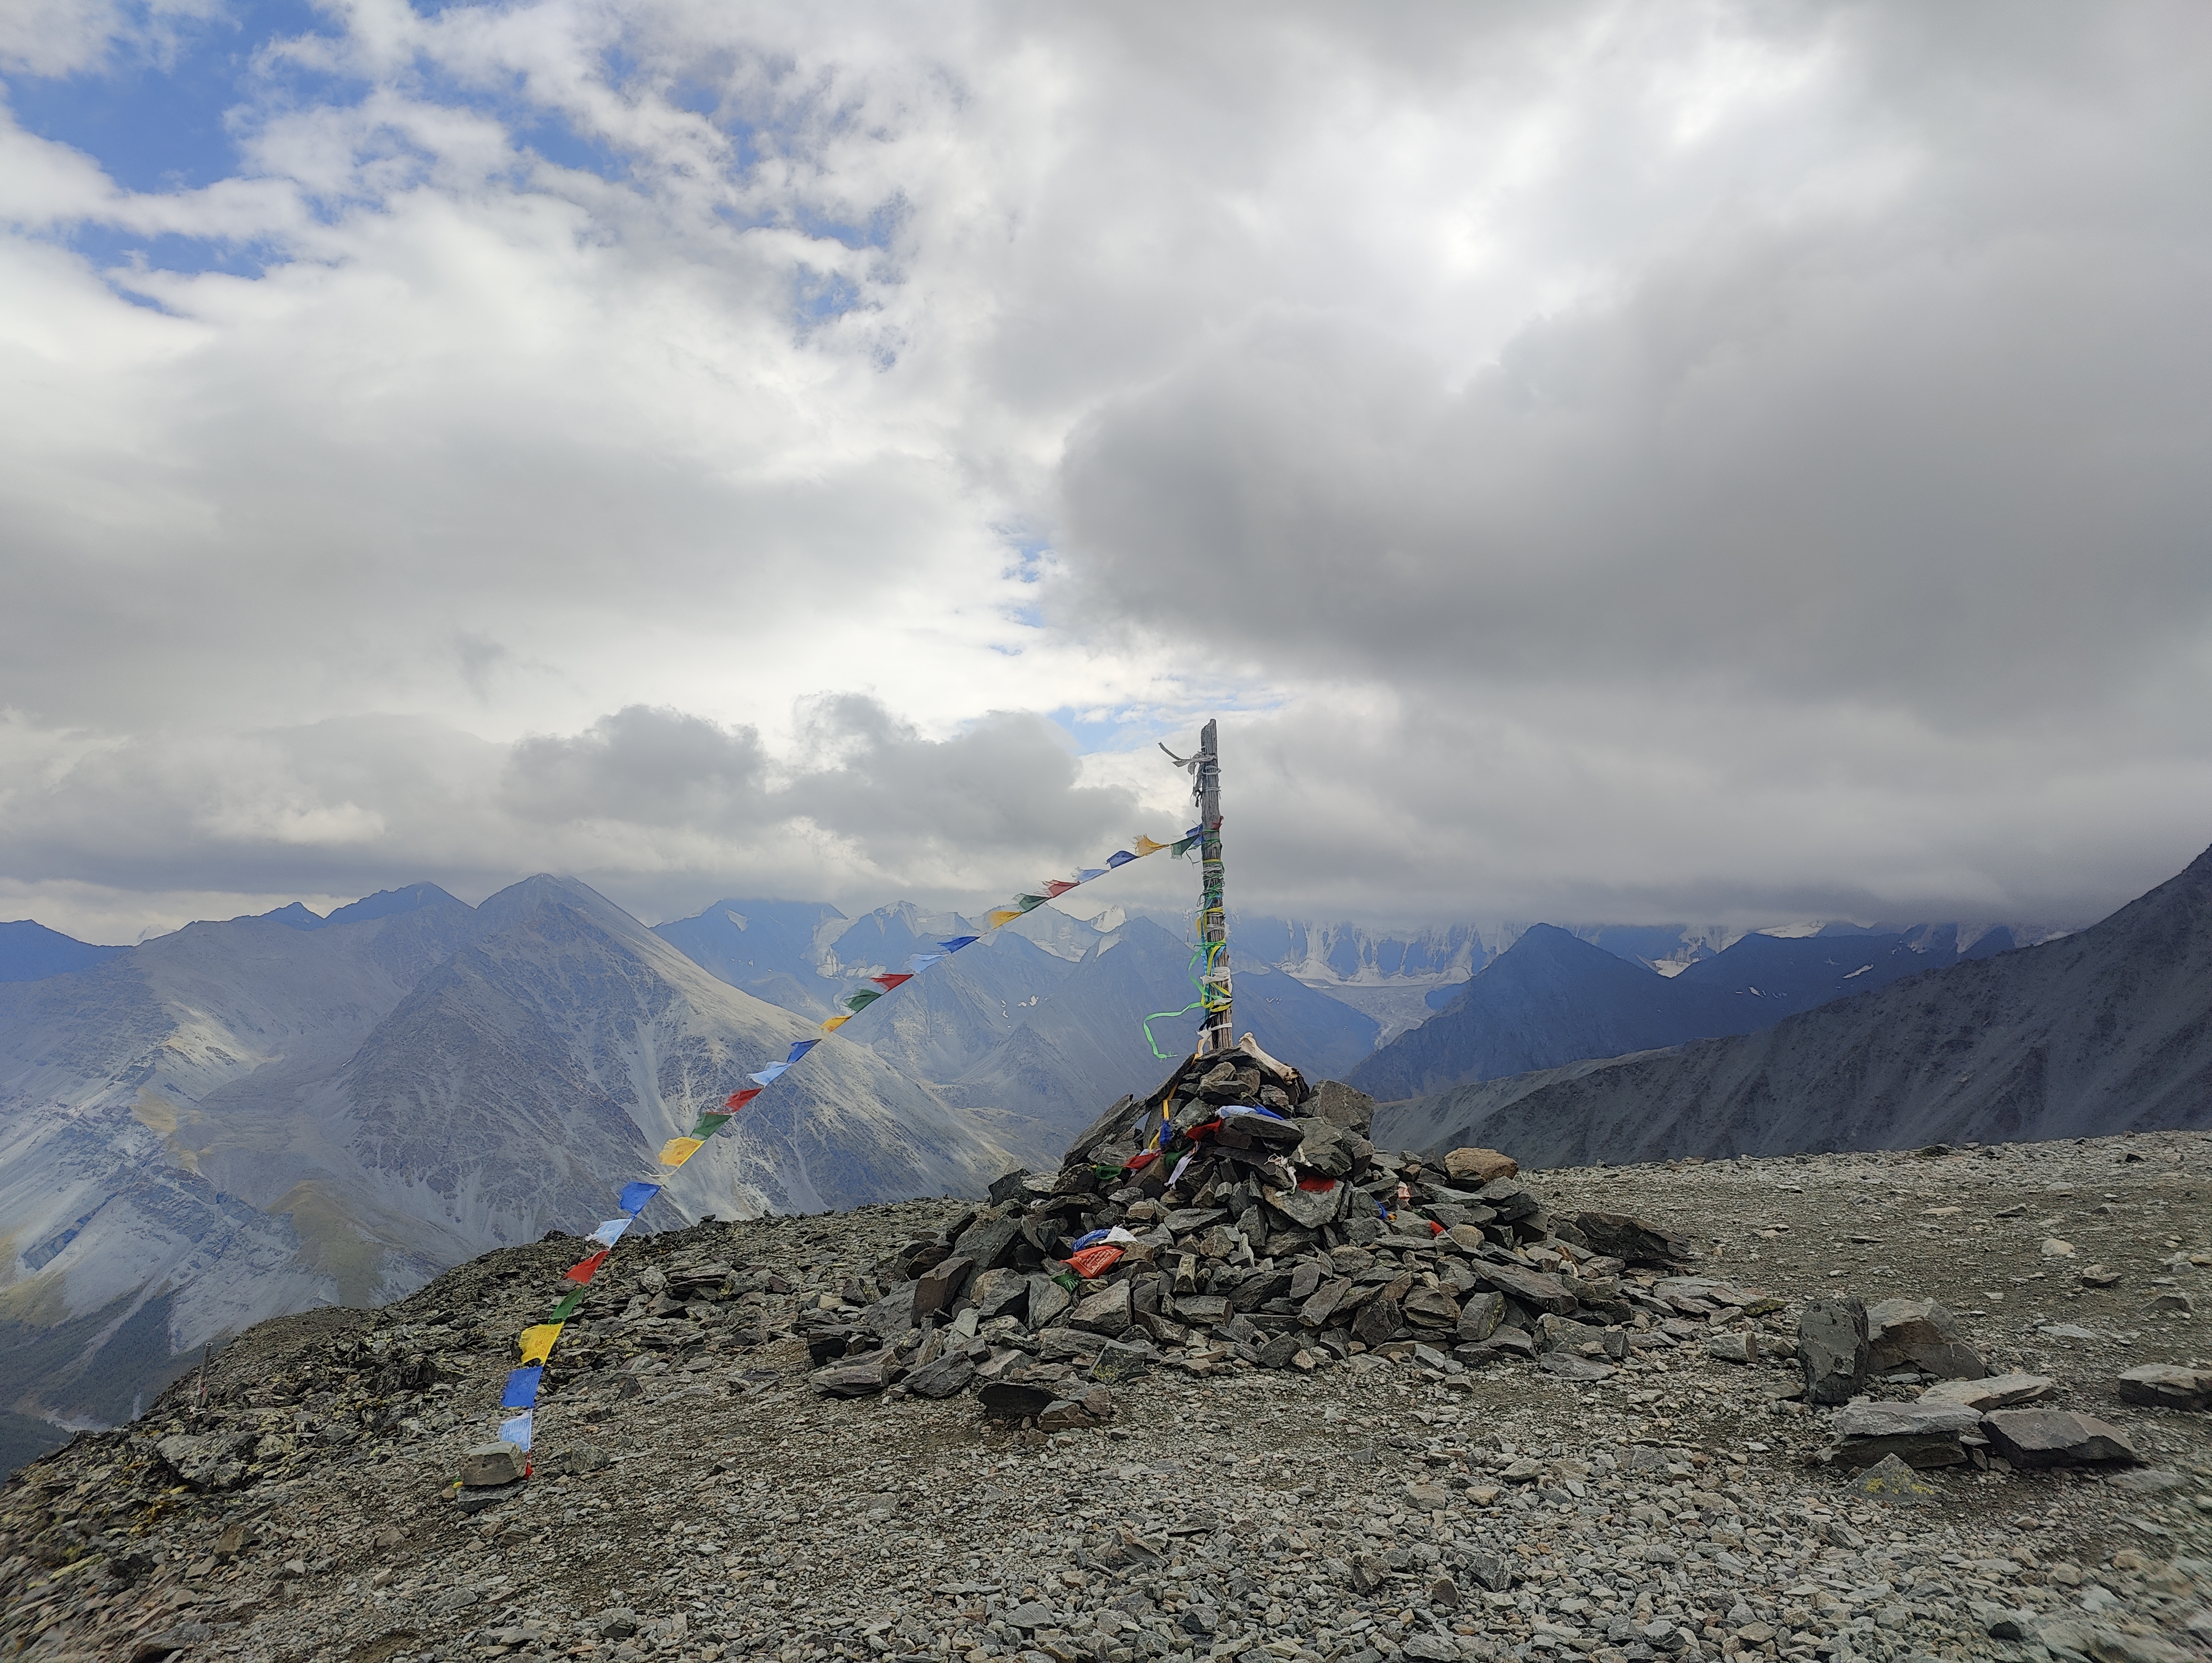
(1214, 989)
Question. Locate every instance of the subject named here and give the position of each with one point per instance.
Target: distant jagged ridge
(2102, 1032)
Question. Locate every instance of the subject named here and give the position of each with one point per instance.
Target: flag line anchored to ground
(521, 1394)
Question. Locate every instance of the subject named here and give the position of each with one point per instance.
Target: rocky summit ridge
(1672, 1483)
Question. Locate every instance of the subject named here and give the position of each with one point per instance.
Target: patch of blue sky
(819, 296)
(165, 121)
(109, 247)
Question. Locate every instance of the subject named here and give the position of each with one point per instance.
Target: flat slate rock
(2166, 1386)
(2057, 1437)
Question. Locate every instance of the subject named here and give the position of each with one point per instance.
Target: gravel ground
(1366, 1510)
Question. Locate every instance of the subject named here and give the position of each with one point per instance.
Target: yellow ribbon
(1145, 845)
(538, 1342)
(677, 1151)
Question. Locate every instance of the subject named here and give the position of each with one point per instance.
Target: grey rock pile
(1238, 1218)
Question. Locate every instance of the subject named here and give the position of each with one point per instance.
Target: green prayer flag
(708, 1125)
(567, 1308)
(861, 1001)
(1028, 903)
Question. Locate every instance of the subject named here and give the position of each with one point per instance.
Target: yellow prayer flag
(677, 1151)
(1145, 845)
(1002, 916)
(538, 1342)
(835, 1023)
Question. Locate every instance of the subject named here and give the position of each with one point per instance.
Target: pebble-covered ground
(1366, 1510)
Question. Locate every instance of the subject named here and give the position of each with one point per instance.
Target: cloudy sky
(1722, 463)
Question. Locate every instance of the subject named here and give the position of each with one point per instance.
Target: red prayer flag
(589, 1268)
(890, 981)
(1056, 888)
(739, 1099)
(1095, 1261)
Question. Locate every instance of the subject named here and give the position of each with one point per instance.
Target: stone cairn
(1237, 1217)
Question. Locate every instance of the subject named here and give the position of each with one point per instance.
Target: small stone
(1030, 1614)
(1492, 1571)
(2166, 1386)
(1378, 1319)
(490, 1464)
(2172, 1300)
(2003, 1622)
(1734, 1347)
(1443, 1593)
(1890, 1479)
(2054, 1248)
(1107, 1312)
(949, 1374)
(1012, 1400)
(2097, 1276)
(2056, 1437)
(1430, 1648)
(1479, 1316)
(576, 1459)
(1429, 1498)
(1567, 1366)
(1484, 1165)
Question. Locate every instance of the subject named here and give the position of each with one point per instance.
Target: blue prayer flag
(800, 1049)
(635, 1196)
(1120, 858)
(770, 1075)
(522, 1387)
(517, 1431)
(959, 942)
(611, 1232)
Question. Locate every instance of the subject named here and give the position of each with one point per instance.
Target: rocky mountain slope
(696, 1499)
(1555, 998)
(2097, 1032)
(257, 1116)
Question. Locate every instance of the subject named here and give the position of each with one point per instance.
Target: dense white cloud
(1724, 461)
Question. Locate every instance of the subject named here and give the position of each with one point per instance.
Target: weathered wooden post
(1214, 990)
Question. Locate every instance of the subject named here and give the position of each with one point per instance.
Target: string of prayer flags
(520, 1391)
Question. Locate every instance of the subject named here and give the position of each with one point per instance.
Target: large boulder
(1922, 1334)
(2166, 1386)
(1831, 1348)
(1634, 1241)
(2057, 1437)
(1484, 1165)
(1918, 1433)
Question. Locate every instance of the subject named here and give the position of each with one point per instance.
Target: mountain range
(1553, 998)
(2107, 1031)
(251, 1117)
